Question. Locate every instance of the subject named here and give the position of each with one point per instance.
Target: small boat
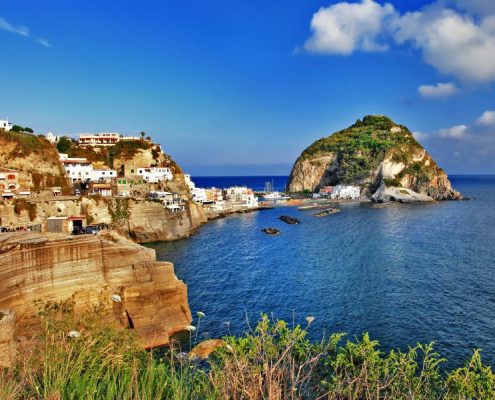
(309, 207)
(327, 211)
(271, 194)
(271, 231)
(289, 220)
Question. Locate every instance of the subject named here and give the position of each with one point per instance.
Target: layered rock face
(145, 221)
(374, 153)
(35, 158)
(90, 270)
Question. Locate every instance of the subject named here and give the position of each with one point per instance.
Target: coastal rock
(205, 348)
(91, 270)
(289, 220)
(7, 343)
(371, 153)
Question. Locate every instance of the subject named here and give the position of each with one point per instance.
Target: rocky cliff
(89, 270)
(35, 157)
(375, 154)
(141, 220)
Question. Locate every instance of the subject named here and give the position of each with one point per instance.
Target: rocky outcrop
(143, 221)
(7, 342)
(373, 153)
(136, 291)
(36, 159)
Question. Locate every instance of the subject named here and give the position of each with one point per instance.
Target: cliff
(89, 270)
(36, 159)
(375, 154)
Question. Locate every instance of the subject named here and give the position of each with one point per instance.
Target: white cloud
(454, 43)
(438, 90)
(478, 7)
(457, 37)
(456, 132)
(44, 42)
(420, 136)
(346, 27)
(21, 30)
(486, 119)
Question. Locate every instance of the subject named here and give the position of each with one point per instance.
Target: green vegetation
(119, 210)
(26, 143)
(78, 358)
(362, 146)
(68, 146)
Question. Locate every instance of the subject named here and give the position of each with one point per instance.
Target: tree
(17, 128)
(64, 144)
(143, 134)
(29, 130)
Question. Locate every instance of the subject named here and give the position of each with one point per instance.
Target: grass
(271, 361)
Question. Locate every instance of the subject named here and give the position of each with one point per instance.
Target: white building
(199, 195)
(155, 174)
(190, 184)
(346, 192)
(242, 195)
(99, 139)
(77, 169)
(52, 138)
(5, 125)
(99, 175)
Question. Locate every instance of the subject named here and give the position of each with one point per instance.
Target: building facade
(9, 183)
(155, 174)
(5, 125)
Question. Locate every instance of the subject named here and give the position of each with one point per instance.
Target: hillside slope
(35, 157)
(375, 154)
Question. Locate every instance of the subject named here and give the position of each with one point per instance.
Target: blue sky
(243, 87)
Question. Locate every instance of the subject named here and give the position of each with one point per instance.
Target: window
(11, 176)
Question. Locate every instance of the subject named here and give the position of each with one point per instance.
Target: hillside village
(38, 169)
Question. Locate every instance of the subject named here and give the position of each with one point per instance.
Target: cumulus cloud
(453, 43)
(456, 132)
(438, 90)
(21, 30)
(346, 27)
(486, 119)
(457, 37)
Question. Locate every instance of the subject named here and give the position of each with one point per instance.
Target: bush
(273, 361)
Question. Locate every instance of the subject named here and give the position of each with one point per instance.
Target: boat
(272, 195)
(271, 231)
(309, 207)
(289, 220)
(327, 211)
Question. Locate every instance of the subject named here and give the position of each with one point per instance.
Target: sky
(242, 87)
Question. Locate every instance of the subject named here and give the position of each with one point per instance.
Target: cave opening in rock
(129, 320)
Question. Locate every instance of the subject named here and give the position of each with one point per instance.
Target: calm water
(402, 273)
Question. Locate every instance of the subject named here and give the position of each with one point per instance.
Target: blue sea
(403, 273)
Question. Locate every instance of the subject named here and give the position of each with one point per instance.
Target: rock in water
(271, 231)
(289, 220)
(374, 153)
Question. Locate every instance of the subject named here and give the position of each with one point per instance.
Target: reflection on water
(402, 273)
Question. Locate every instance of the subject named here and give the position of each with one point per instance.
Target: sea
(406, 274)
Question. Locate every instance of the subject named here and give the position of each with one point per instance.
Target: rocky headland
(381, 157)
(136, 291)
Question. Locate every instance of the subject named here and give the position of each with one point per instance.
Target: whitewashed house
(99, 175)
(101, 139)
(155, 174)
(199, 195)
(52, 138)
(241, 195)
(5, 125)
(346, 192)
(190, 184)
(77, 169)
